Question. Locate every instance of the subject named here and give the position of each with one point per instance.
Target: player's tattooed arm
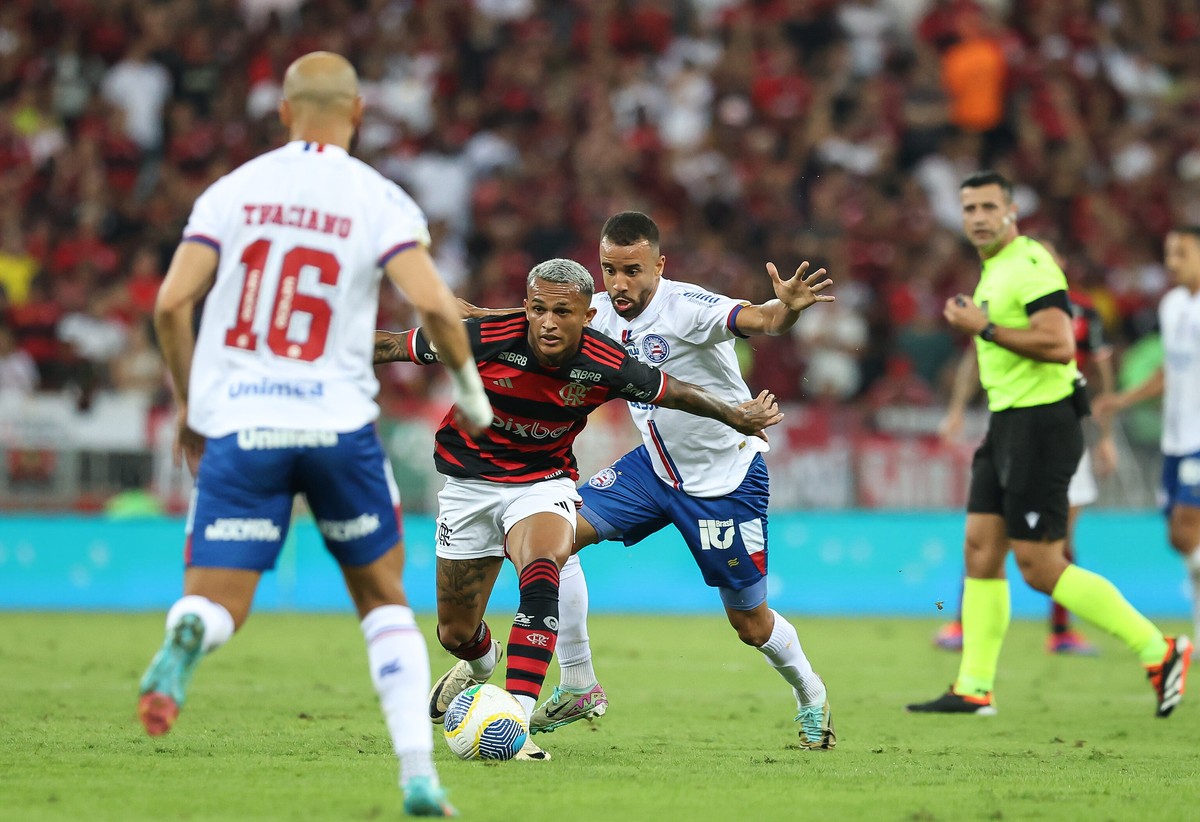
(750, 417)
(390, 347)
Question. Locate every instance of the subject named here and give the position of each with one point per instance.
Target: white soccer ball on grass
(485, 722)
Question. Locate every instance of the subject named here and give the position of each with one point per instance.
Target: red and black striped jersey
(538, 411)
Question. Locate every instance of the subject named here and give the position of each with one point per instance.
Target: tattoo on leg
(466, 583)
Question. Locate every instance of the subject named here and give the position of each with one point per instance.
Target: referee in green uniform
(1021, 323)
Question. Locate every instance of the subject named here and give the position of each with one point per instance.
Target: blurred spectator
(833, 343)
(974, 72)
(140, 289)
(899, 385)
(753, 130)
(138, 368)
(868, 24)
(92, 334)
(35, 324)
(140, 87)
(76, 73)
(34, 120)
(18, 373)
(17, 266)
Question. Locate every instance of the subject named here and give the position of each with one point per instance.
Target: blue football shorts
(242, 502)
(1181, 481)
(726, 535)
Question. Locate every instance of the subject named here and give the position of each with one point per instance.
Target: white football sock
(485, 666)
(527, 704)
(218, 624)
(573, 649)
(785, 655)
(400, 672)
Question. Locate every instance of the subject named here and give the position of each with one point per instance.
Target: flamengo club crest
(573, 393)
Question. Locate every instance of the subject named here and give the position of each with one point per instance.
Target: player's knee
(1038, 580)
(1183, 539)
(752, 628)
(455, 635)
(1039, 573)
(370, 593)
(976, 544)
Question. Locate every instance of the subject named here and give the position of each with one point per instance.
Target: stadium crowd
(775, 130)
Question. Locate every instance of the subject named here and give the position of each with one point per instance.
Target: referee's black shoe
(1169, 677)
(953, 702)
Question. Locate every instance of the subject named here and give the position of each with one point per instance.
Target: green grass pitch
(282, 724)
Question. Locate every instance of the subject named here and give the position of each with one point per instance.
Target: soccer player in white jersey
(1178, 382)
(703, 478)
(276, 397)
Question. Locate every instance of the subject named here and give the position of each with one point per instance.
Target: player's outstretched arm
(749, 418)
(794, 294)
(413, 272)
(390, 347)
(188, 279)
(1149, 388)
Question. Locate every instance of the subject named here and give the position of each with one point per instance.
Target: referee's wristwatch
(989, 332)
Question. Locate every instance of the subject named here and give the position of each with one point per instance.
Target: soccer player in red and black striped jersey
(511, 490)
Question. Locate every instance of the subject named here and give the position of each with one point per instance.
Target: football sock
(574, 651)
(218, 624)
(1060, 618)
(1097, 600)
(534, 632)
(986, 611)
(482, 667)
(784, 654)
(479, 652)
(400, 672)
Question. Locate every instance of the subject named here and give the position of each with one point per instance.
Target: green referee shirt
(1020, 280)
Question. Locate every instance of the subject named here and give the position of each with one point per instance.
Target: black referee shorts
(1023, 468)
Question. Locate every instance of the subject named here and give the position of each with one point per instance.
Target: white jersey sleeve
(401, 225)
(711, 317)
(209, 221)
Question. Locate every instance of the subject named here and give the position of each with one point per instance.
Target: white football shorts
(475, 516)
(1083, 489)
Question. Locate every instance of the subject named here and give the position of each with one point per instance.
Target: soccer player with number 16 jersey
(276, 396)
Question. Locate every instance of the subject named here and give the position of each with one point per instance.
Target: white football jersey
(1179, 321)
(688, 332)
(287, 335)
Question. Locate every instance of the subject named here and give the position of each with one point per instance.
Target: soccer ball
(485, 722)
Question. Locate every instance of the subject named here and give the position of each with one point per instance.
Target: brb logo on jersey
(655, 348)
(605, 479)
(573, 394)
